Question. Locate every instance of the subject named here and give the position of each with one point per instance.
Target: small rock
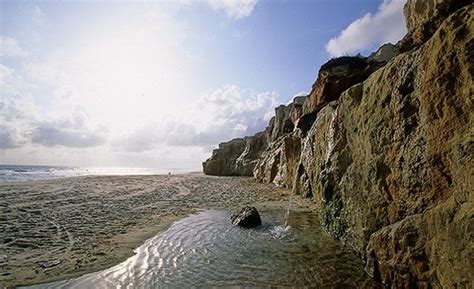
(247, 217)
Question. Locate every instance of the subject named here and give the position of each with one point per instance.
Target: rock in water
(247, 217)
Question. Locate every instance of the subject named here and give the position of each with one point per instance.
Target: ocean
(9, 173)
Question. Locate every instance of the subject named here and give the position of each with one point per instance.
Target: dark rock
(247, 217)
(334, 77)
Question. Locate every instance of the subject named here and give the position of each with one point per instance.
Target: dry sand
(58, 229)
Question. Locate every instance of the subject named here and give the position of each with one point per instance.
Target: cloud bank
(9, 47)
(386, 25)
(22, 125)
(227, 112)
(235, 9)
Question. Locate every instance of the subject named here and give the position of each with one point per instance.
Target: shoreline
(68, 227)
(3, 182)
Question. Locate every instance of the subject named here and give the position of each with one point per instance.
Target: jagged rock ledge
(384, 147)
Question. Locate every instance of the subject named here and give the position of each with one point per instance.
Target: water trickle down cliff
(384, 147)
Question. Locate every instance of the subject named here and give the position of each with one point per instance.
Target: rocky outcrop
(384, 146)
(334, 77)
(254, 147)
(285, 119)
(247, 217)
(237, 157)
(385, 53)
(390, 165)
(424, 17)
(240, 156)
(278, 162)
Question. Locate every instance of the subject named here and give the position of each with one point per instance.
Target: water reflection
(205, 249)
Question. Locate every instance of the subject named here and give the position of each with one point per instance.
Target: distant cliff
(384, 147)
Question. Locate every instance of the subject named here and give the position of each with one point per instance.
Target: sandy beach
(63, 228)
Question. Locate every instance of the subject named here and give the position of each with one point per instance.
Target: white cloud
(5, 73)
(386, 25)
(9, 47)
(22, 124)
(129, 87)
(226, 113)
(235, 9)
(71, 130)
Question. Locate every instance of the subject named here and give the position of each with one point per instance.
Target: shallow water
(205, 249)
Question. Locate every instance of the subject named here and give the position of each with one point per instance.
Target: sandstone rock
(223, 160)
(279, 161)
(281, 123)
(254, 147)
(334, 77)
(237, 157)
(384, 145)
(247, 217)
(297, 110)
(423, 18)
(384, 54)
(394, 163)
(419, 12)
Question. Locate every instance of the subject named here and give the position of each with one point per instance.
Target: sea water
(29, 173)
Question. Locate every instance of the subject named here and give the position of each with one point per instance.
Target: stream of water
(205, 249)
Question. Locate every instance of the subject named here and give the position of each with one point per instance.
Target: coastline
(63, 228)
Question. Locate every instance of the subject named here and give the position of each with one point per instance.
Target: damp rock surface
(247, 217)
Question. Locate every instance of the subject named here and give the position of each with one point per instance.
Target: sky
(160, 83)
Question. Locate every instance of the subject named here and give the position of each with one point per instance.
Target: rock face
(385, 53)
(247, 217)
(277, 163)
(240, 156)
(237, 157)
(334, 77)
(224, 159)
(384, 146)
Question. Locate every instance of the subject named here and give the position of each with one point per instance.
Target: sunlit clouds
(155, 83)
(371, 30)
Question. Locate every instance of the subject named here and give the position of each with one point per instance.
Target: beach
(64, 228)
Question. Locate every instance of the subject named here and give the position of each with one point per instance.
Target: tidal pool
(205, 249)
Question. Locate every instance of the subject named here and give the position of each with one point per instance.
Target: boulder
(247, 217)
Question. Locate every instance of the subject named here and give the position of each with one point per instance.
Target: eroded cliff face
(385, 150)
(239, 157)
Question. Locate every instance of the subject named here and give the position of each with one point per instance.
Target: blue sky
(160, 83)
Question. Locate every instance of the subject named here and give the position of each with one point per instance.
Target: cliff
(384, 147)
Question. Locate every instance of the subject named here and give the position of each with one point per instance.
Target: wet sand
(58, 229)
